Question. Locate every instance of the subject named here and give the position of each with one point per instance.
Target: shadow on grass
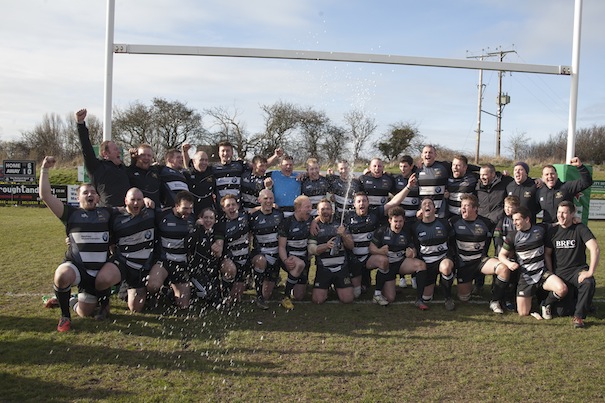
(33, 389)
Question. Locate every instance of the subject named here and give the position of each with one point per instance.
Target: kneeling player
(330, 260)
(392, 253)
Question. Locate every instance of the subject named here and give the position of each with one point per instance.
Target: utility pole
(501, 101)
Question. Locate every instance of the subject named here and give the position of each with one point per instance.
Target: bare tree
(134, 125)
(360, 127)
(229, 127)
(335, 145)
(517, 145)
(46, 137)
(175, 123)
(313, 125)
(281, 121)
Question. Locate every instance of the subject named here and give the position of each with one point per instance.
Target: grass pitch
(333, 352)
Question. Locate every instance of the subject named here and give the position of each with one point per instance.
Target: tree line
(302, 131)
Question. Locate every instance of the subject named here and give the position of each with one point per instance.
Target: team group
(184, 227)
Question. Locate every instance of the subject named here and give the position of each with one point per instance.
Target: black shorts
(87, 279)
(324, 278)
(394, 270)
(432, 272)
(272, 272)
(134, 278)
(356, 266)
(178, 272)
(466, 274)
(529, 290)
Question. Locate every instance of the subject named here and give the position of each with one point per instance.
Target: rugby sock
(499, 289)
(258, 283)
(103, 298)
(380, 280)
(552, 297)
(63, 295)
(365, 278)
(290, 283)
(420, 283)
(446, 284)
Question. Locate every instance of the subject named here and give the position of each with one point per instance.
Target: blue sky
(53, 61)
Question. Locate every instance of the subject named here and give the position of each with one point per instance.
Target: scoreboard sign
(20, 170)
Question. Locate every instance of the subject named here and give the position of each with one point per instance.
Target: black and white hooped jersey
(236, 234)
(362, 229)
(172, 182)
(411, 203)
(432, 182)
(529, 251)
(250, 188)
(332, 262)
(432, 239)
(472, 239)
(265, 227)
(297, 236)
(458, 187)
(397, 242)
(377, 189)
(134, 237)
(316, 190)
(174, 234)
(88, 233)
(344, 192)
(228, 177)
(201, 185)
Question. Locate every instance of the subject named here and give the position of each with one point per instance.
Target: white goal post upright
(343, 57)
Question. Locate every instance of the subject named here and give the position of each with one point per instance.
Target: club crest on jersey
(148, 234)
(105, 236)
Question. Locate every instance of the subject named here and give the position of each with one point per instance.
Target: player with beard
(472, 236)
(566, 257)
(377, 184)
(329, 248)
(525, 188)
(175, 226)
(315, 186)
(361, 223)
(461, 182)
(144, 175)
(172, 179)
(253, 181)
(432, 236)
(235, 226)
(264, 224)
(392, 253)
(526, 244)
(199, 180)
(343, 188)
(85, 265)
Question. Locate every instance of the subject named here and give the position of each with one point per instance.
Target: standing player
(392, 253)
(329, 248)
(315, 186)
(108, 174)
(461, 182)
(285, 186)
(172, 178)
(253, 181)
(527, 245)
(264, 225)
(143, 174)
(343, 188)
(566, 255)
(377, 184)
(87, 228)
(199, 180)
(554, 191)
(432, 178)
